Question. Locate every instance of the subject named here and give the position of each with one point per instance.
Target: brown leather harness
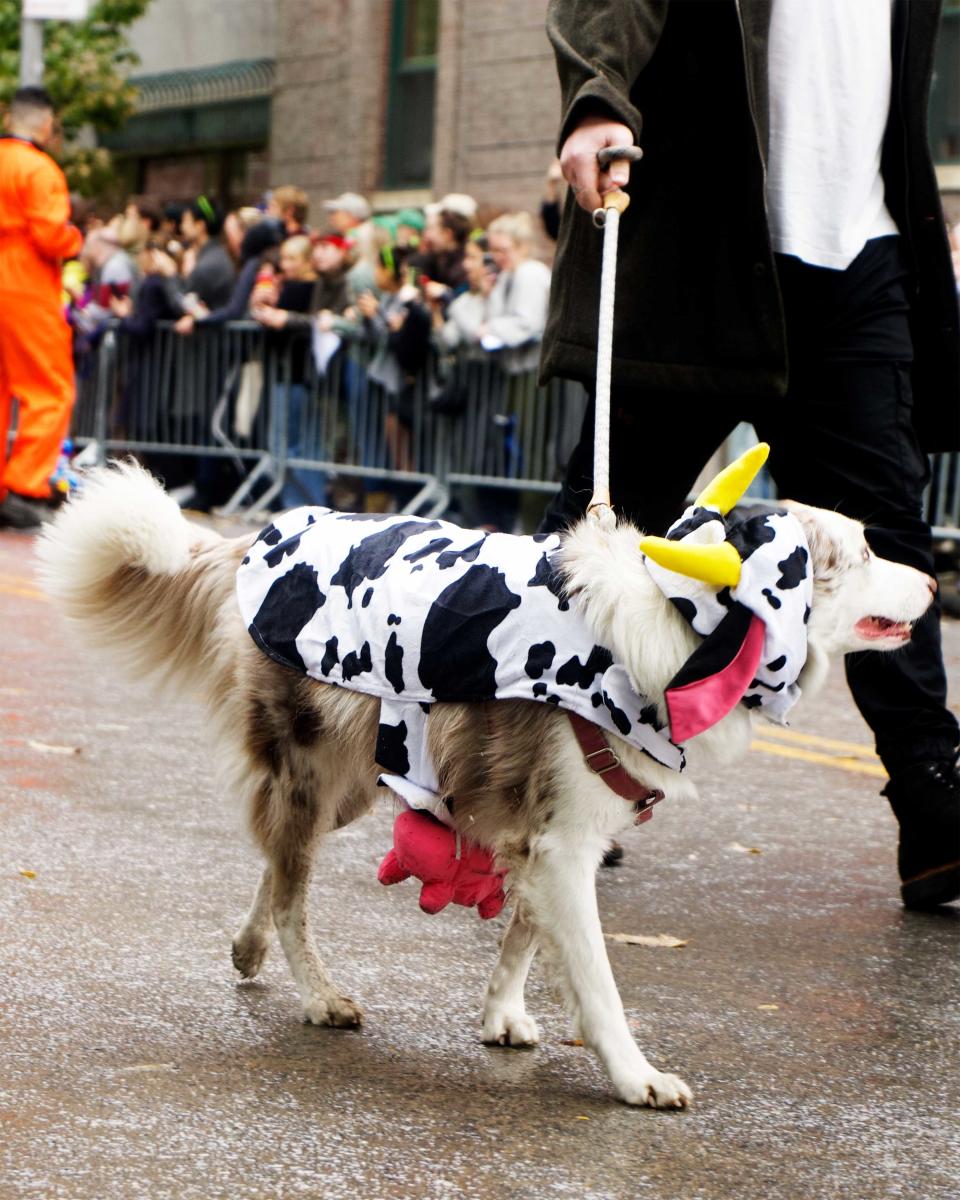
(603, 761)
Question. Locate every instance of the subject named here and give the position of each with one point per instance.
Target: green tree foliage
(86, 64)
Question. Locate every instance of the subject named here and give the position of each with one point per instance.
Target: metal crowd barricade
(169, 394)
(255, 397)
(244, 393)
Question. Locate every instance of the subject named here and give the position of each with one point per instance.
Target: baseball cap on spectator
(413, 218)
(352, 203)
(388, 222)
(334, 239)
(457, 202)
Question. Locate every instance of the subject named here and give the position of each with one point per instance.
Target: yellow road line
(857, 749)
(827, 760)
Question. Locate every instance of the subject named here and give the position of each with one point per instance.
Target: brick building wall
(498, 101)
(496, 105)
(329, 102)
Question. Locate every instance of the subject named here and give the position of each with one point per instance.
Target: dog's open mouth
(883, 627)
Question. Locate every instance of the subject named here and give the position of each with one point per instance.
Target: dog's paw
(655, 1089)
(337, 1011)
(503, 1027)
(248, 954)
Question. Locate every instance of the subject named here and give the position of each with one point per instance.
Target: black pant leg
(844, 439)
(659, 444)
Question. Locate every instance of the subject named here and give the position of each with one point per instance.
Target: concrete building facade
(205, 82)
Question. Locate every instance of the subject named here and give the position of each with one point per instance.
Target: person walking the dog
(36, 361)
(823, 310)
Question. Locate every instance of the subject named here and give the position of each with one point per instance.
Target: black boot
(925, 799)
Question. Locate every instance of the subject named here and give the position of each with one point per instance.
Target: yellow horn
(718, 564)
(725, 489)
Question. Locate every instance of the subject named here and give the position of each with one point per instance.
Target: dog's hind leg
(288, 817)
(250, 943)
(322, 1003)
(560, 890)
(505, 1020)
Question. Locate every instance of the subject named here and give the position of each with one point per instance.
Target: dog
(158, 594)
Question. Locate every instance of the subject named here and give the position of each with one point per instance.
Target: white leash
(608, 219)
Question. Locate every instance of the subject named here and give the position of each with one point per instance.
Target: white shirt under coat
(830, 75)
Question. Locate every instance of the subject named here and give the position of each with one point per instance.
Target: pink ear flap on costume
(695, 706)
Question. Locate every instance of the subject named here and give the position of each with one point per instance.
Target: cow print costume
(755, 634)
(416, 611)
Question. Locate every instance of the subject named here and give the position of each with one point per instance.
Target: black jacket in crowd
(698, 307)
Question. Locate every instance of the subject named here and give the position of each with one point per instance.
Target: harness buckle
(611, 763)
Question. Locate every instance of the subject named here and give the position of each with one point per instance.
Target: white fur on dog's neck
(605, 577)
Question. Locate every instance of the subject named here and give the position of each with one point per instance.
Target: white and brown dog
(160, 595)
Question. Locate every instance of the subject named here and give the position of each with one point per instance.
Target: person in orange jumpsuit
(36, 363)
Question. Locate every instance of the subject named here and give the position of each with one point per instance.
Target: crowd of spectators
(416, 285)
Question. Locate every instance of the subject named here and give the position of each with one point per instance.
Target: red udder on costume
(428, 850)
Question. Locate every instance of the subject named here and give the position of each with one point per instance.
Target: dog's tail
(139, 581)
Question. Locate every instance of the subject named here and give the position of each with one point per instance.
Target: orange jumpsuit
(36, 361)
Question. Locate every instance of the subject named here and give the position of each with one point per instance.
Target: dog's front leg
(561, 892)
(505, 1020)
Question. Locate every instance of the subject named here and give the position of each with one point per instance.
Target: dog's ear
(828, 554)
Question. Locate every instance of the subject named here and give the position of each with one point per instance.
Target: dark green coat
(698, 308)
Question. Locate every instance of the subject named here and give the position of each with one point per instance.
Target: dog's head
(860, 601)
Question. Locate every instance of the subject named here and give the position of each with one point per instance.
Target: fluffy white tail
(142, 583)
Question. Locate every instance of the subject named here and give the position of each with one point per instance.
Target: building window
(945, 92)
(413, 78)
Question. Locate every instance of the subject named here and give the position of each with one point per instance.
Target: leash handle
(607, 218)
(616, 199)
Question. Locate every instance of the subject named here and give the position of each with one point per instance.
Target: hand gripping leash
(607, 218)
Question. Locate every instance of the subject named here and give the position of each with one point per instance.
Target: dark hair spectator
(212, 274)
(445, 236)
(171, 220)
(257, 242)
(209, 212)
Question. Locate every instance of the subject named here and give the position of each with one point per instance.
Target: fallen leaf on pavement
(744, 849)
(571, 1041)
(52, 748)
(769, 1007)
(643, 939)
(28, 873)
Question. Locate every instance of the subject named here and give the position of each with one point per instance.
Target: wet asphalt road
(818, 1023)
